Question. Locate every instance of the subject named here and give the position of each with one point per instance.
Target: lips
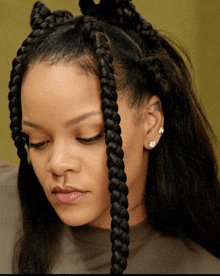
(68, 195)
(67, 190)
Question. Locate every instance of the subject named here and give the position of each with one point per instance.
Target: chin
(72, 217)
(73, 220)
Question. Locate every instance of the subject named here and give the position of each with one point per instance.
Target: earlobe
(153, 122)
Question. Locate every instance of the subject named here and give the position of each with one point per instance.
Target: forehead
(58, 87)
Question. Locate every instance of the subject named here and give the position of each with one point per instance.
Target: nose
(63, 159)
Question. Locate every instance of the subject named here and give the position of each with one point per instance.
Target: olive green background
(194, 23)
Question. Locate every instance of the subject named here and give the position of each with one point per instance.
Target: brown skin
(53, 95)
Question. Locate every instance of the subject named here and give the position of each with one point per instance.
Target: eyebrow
(68, 123)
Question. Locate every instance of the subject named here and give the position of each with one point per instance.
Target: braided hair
(41, 20)
(130, 57)
(117, 177)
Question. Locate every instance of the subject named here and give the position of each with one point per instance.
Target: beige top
(87, 250)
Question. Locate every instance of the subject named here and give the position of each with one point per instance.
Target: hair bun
(105, 10)
(86, 5)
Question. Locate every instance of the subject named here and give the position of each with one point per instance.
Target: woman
(158, 149)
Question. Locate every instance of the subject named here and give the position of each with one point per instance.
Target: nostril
(58, 178)
(63, 159)
(58, 169)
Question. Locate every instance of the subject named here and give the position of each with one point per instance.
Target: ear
(152, 122)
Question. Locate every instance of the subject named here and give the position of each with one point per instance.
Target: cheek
(95, 166)
(134, 157)
(39, 165)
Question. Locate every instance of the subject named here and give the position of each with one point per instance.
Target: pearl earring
(152, 144)
(161, 130)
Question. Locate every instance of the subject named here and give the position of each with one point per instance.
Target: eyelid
(85, 140)
(37, 145)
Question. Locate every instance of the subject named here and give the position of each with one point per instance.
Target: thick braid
(155, 74)
(41, 20)
(117, 176)
(38, 15)
(128, 15)
(15, 101)
(41, 16)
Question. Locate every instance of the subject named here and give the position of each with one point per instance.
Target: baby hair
(112, 40)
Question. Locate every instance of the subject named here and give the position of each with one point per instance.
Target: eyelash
(38, 145)
(87, 141)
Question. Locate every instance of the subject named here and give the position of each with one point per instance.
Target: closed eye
(89, 140)
(38, 145)
(84, 140)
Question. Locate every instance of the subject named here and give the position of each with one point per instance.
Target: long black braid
(117, 176)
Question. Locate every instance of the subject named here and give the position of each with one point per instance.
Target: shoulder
(8, 174)
(10, 214)
(9, 198)
(201, 260)
(8, 188)
(167, 255)
(188, 257)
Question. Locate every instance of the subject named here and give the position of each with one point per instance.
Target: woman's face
(61, 110)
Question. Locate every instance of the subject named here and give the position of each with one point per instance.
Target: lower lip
(69, 197)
